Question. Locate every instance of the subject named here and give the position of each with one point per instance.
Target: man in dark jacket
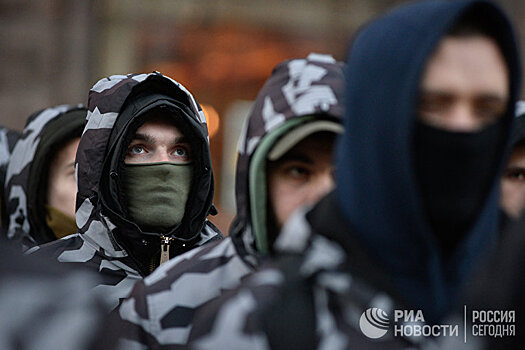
(513, 180)
(431, 90)
(145, 183)
(40, 181)
(498, 286)
(284, 162)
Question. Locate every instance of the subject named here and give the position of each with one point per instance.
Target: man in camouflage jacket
(110, 241)
(290, 131)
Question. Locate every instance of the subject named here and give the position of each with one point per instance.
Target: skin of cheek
(513, 190)
(62, 187)
(285, 198)
(512, 197)
(64, 194)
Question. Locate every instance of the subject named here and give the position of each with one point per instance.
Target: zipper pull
(165, 249)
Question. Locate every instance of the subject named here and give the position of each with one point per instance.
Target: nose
(323, 184)
(161, 155)
(462, 118)
(520, 201)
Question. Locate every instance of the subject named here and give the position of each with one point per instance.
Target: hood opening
(291, 92)
(58, 132)
(201, 192)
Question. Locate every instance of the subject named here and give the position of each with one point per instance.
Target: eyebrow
(294, 158)
(143, 137)
(515, 167)
(151, 139)
(492, 97)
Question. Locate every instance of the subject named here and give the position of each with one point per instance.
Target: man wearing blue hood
(431, 90)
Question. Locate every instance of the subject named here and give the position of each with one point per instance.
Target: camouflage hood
(114, 108)
(296, 89)
(26, 177)
(8, 139)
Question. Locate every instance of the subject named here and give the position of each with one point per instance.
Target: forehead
(467, 64)
(159, 124)
(518, 153)
(66, 153)
(319, 144)
(68, 148)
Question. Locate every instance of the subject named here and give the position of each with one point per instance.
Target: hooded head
(513, 179)
(36, 215)
(301, 100)
(119, 106)
(387, 200)
(8, 139)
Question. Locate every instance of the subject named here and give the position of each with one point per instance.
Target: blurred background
(53, 51)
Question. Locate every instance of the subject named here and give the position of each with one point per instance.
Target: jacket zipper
(165, 243)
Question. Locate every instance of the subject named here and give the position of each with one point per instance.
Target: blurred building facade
(52, 52)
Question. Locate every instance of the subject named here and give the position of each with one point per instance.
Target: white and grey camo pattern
(18, 171)
(234, 322)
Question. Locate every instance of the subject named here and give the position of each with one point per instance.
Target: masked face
(62, 191)
(463, 96)
(157, 175)
(62, 186)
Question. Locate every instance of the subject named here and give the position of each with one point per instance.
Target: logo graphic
(374, 323)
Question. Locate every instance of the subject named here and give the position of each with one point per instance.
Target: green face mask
(157, 193)
(60, 223)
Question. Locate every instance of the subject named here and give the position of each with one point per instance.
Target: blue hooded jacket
(377, 188)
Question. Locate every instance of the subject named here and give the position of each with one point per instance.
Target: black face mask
(454, 171)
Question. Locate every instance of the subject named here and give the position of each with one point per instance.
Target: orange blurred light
(212, 118)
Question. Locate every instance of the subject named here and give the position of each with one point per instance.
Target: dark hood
(377, 188)
(27, 172)
(297, 88)
(116, 105)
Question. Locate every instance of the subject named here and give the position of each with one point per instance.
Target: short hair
(476, 22)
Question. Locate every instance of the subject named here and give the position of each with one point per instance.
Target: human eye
(182, 153)
(136, 149)
(433, 107)
(490, 111)
(515, 174)
(297, 172)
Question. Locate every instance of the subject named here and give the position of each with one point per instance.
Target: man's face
(158, 140)
(62, 186)
(301, 176)
(513, 184)
(465, 85)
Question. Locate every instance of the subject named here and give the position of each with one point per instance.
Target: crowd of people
(378, 202)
